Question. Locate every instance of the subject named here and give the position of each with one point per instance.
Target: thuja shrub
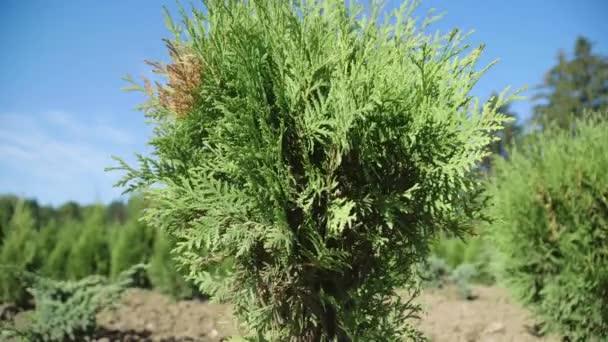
(316, 151)
(551, 232)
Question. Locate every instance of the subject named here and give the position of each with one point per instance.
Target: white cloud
(56, 156)
(114, 134)
(100, 130)
(14, 152)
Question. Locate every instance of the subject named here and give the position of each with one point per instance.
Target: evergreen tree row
(73, 242)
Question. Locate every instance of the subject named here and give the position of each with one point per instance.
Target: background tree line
(575, 86)
(71, 242)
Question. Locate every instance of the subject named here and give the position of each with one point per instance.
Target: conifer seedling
(305, 153)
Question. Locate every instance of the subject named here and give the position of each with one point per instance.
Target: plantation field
(146, 315)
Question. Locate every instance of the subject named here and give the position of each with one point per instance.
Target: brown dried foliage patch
(184, 77)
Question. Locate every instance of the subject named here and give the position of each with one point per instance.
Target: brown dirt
(164, 319)
(149, 316)
(491, 317)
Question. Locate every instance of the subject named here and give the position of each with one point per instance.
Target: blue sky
(62, 113)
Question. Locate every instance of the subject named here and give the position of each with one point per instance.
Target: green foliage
(551, 233)
(69, 211)
(132, 241)
(18, 251)
(318, 149)
(508, 136)
(163, 272)
(46, 240)
(100, 240)
(573, 86)
(117, 211)
(90, 253)
(58, 258)
(462, 276)
(7, 209)
(472, 250)
(131, 244)
(66, 310)
(435, 272)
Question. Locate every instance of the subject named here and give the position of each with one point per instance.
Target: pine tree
(572, 86)
(318, 152)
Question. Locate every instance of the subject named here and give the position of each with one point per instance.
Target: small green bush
(551, 229)
(319, 150)
(435, 272)
(469, 251)
(462, 276)
(66, 310)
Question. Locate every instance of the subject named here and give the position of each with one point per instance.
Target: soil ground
(150, 316)
(491, 317)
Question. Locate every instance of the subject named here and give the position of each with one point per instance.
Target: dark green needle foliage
(551, 233)
(317, 150)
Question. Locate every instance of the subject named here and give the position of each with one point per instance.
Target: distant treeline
(115, 212)
(74, 241)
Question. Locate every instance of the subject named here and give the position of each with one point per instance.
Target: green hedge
(551, 230)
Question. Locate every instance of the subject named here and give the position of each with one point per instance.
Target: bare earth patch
(491, 317)
(164, 319)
